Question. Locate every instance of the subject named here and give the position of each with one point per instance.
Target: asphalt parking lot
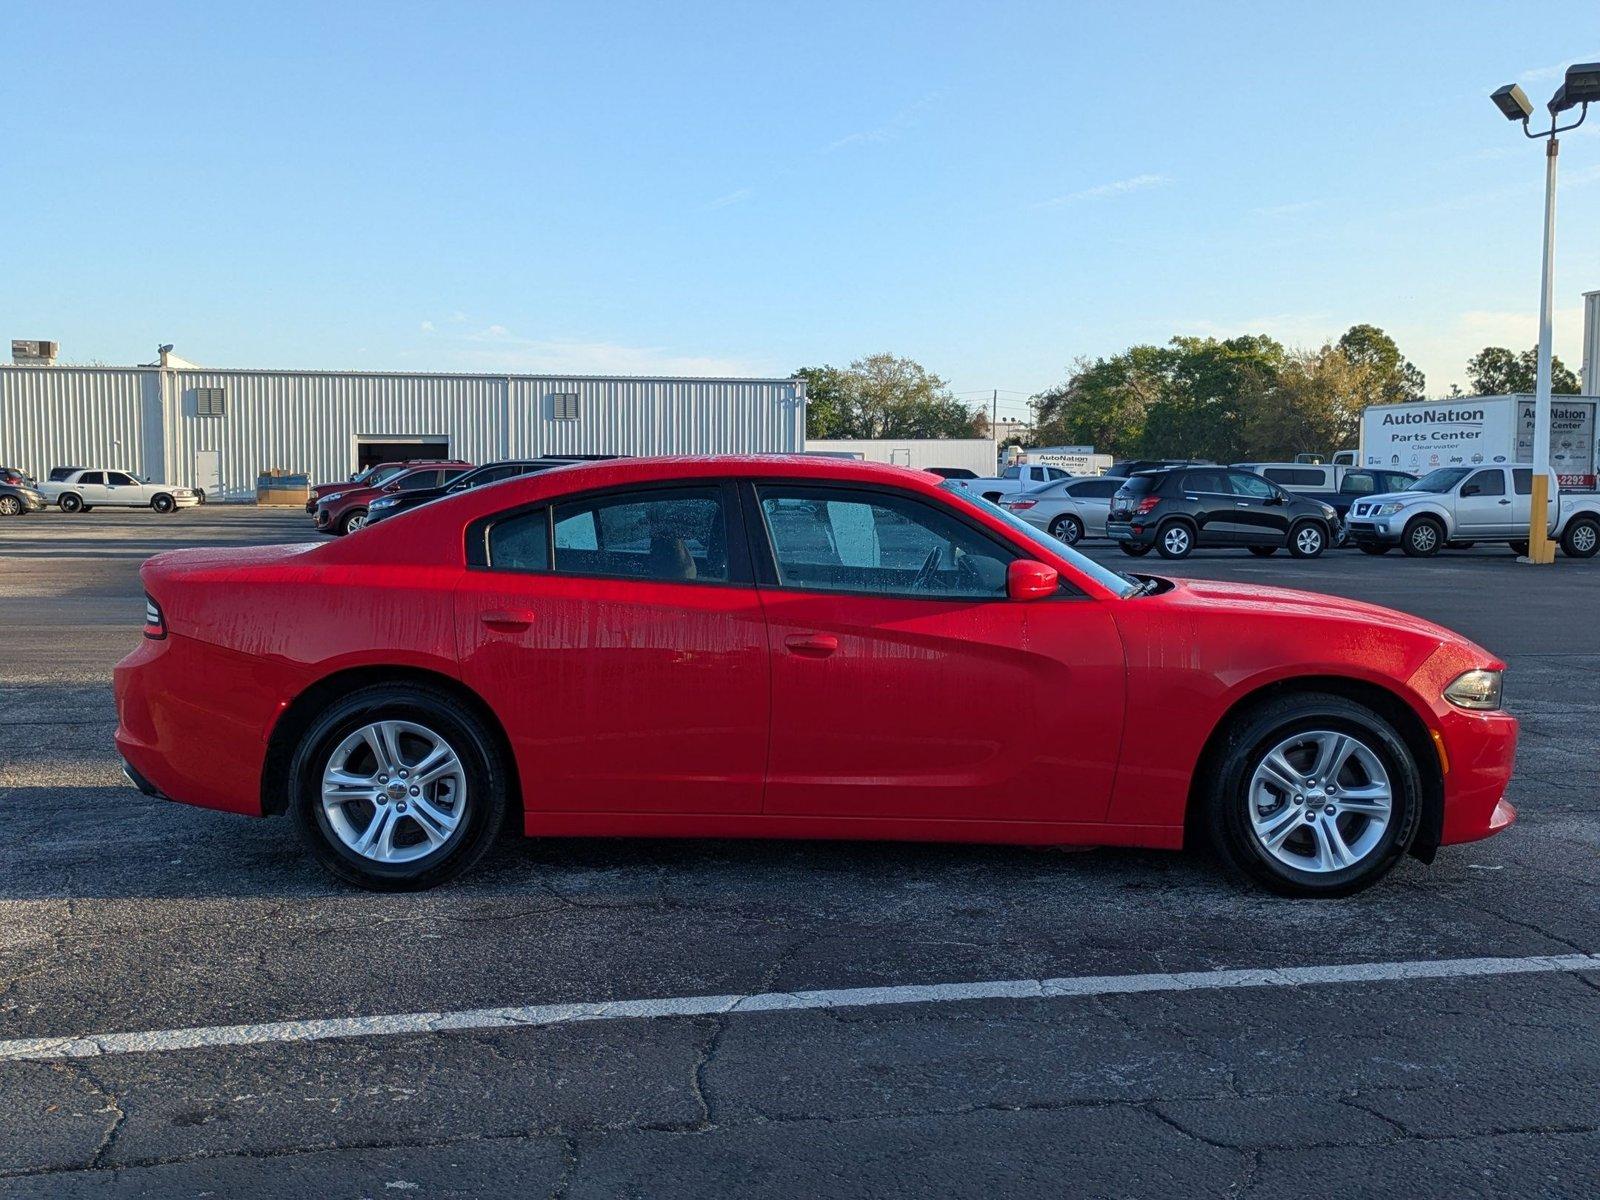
(123, 914)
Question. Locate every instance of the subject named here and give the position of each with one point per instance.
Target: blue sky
(747, 188)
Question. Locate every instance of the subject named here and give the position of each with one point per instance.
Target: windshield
(1114, 581)
(1441, 480)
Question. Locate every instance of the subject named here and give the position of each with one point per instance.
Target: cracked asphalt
(122, 913)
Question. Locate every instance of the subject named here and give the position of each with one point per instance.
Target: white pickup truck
(1014, 479)
(1456, 505)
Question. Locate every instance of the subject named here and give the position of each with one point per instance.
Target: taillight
(1147, 504)
(1019, 505)
(155, 623)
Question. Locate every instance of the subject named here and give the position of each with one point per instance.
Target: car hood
(1388, 497)
(1288, 602)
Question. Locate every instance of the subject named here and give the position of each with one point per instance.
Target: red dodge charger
(794, 647)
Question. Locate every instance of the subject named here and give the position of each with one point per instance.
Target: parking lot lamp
(1582, 85)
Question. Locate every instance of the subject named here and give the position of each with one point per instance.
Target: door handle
(1241, 504)
(812, 645)
(507, 619)
(1505, 502)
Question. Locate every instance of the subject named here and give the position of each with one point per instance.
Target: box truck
(1480, 430)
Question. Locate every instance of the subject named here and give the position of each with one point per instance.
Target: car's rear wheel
(1373, 547)
(1133, 549)
(1422, 538)
(353, 520)
(398, 787)
(1067, 528)
(1307, 540)
(10, 506)
(1581, 538)
(162, 503)
(1175, 539)
(71, 502)
(1314, 795)
(1263, 551)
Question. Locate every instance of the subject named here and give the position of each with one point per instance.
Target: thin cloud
(496, 348)
(734, 197)
(1117, 187)
(427, 327)
(1553, 71)
(889, 130)
(1287, 210)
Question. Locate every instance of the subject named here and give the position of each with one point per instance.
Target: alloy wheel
(394, 791)
(10, 505)
(1067, 530)
(1309, 540)
(1176, 541)
(1424, 537)
(1320, 801)
(1584, 537)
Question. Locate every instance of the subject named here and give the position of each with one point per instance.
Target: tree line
(1230, 399)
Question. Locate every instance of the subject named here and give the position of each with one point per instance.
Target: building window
(208, 402)
(563, 406)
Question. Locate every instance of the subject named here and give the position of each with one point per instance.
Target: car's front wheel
(353, 520)
(1307, 540)
(71, 502)
(163, 503)
(398, 787)
(10, 506)
(1314, 795)
(1422, 537)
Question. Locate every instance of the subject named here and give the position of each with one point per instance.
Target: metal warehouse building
(219, 429)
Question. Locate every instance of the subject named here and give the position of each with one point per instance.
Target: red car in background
(345, 510)
(794, 647)
(366, 477)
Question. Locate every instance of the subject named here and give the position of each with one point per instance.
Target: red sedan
(794, 647)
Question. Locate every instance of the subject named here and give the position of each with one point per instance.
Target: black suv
(1176, 510)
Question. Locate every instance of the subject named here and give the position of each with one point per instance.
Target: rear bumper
(1127, 531)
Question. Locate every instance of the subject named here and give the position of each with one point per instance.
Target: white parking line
(163, 1040)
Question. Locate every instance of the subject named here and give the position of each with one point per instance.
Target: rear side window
(1096, 489)
(1206, 481)
(672, 535)
(1522, 480)
(1138, 485)
(1055, 473)
(418, 480)
(92, 477)
(1358, 483)
(521, 543)
(1245, 484)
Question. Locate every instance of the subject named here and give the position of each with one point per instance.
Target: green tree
(1387, 374)
(882, 396)
(1315, 405)
(1496, 371)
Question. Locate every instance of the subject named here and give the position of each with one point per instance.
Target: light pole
(1581, 86)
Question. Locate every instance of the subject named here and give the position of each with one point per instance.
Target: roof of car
(790, 466)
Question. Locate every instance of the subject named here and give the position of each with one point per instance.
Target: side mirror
(353, 476)
(1029, 580)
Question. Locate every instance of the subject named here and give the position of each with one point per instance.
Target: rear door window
(1096, 489)
(1211, 482)
(1522, 480)
(673, 535)
(92, 478)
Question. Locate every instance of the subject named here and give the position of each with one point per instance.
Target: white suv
(84, 489)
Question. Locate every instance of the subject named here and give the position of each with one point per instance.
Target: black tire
(1373, 547)
(1422, 538)
(10, 506)
(162, 503)
(71, 502)
(1520, 549)
(486, 772)
(1133, 549)
(1175, 539)
(1459, 545)
(353, 520)
(1263, 551)
(1067, 529)
(87, 508)
(1581, 538)
(1308, 539)
(1252, 736)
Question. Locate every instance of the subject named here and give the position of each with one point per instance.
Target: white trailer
(971, 454)
(1481, 430)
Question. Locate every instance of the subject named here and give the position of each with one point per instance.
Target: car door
(1482, 507)
(91, 486)
(123, 489)
(1217, 513)
(1091, 500)
(1261, 509)
(619, 637)
(905, 684)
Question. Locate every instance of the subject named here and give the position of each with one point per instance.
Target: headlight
(1389, 509)
(388, 503)
(1330, 512)
(332, 498)
(1478, 689)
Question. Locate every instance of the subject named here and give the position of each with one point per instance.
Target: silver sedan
(1069, 509)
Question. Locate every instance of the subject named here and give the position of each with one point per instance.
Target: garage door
(372, 450)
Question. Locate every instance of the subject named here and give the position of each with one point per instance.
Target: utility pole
(994, 425)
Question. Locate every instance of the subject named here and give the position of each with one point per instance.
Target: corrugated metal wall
(312, 421)
(79, 416)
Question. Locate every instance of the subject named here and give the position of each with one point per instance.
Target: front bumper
(323, 518)
(1482, 751)
(1373, 531)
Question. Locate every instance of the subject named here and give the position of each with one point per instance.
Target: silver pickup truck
(1455, 505)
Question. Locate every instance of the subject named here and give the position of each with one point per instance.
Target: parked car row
(82, 489)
